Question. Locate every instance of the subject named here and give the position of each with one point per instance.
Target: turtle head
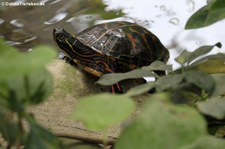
(64, 40)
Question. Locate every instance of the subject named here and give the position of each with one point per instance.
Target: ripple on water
(16, 23)
(58, 17)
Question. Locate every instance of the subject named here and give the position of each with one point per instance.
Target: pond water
(25, 26)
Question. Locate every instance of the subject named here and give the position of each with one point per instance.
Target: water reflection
(16, 23)
(58, 17)
(174, 21)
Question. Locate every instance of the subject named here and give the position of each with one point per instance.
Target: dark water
(27, 26)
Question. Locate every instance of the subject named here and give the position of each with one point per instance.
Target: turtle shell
(129, 44)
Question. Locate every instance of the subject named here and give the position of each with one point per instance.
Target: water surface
(28, 26)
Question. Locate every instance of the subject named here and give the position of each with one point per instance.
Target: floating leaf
(162, 125)
(214, 107)
(101, 111)
(207, 15)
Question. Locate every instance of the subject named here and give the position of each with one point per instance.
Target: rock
(69, 85)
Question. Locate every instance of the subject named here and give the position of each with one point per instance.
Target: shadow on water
(28, 26)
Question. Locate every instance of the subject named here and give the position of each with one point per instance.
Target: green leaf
(146, 71)
(188, 57)
(201, 80)
(31, 89)
(214, 107)
(8, 126)
(112, 78)
(140, 89)
(39, 138)
(101, 111)
(169, 81)
(207, 15)
(162, 125)
(219, 89)
(207, 142)
(14, 64)
(218, 56)
(158, 66)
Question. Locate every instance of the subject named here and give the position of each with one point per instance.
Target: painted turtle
(111, 47)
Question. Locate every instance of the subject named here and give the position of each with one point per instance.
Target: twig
(110, 140)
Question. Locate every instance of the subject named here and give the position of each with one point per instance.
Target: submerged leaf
(102, 111)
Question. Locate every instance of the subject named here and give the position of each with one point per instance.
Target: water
(28, 26)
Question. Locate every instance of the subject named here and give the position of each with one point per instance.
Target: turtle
(112, 47)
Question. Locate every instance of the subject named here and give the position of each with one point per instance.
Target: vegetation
(24, 82)
(186, 110)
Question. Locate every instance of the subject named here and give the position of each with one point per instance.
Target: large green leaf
(162, 125)
(14, 64)
(207, 142)
(29, 89)
(101, 111)
(214, 107)
(207, 15)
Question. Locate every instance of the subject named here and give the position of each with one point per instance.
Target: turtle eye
(61, 39)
